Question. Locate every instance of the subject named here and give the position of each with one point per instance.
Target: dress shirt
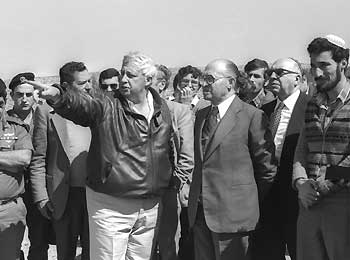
(77, 148)
(224, 105)
(286, 114)
(259, 98)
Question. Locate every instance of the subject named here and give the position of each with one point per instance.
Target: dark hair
(108, 74)
(255, 64)
(68, 70)
(320, 45)
(167, 74)
(3, 92)
(183, 72)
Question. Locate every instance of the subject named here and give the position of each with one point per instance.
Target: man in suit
(176, 196)
(233, 167)
(58, 169)
(280, 208)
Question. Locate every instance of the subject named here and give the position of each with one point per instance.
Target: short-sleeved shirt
(13, 136)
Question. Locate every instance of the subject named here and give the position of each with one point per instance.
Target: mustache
(321, 78)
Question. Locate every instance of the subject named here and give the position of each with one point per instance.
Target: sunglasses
(279, 72)
(113, 86)
(209, 79)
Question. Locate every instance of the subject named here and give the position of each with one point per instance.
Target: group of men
(232, 165)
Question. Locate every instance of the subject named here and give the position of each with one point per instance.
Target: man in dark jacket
(280, 207)
(128, 162)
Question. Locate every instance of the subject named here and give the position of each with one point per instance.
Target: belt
(3, 202)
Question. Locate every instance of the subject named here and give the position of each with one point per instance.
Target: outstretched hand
(45, 91)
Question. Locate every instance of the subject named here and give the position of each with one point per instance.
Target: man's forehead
(160, 74)
(130, 66)
(24, 88)
(257, 71)
(286, 63)
(220, 67)
(323, 56)
(113, 80)
(81, 75)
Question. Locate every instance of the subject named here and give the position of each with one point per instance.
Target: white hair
(144, 63)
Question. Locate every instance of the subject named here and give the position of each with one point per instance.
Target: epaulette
(17, 121)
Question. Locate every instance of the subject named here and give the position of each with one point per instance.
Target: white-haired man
(128, 161)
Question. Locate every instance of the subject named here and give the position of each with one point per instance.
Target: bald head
(222, 67)
(287, 64)
(219, 80)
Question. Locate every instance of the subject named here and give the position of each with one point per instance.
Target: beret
(16, 81)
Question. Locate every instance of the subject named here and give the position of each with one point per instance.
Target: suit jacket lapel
(199, 123)
(61, 128)
(224, 127)
(297, 115)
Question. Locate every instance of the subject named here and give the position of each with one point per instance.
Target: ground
(52, 250)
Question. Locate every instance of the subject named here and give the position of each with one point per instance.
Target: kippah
(336, 40)
(17, 80)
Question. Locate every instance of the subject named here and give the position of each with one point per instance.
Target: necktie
(275, 118)
(209, 125)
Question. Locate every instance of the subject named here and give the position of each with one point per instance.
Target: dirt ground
(52, 250)
(52, 255)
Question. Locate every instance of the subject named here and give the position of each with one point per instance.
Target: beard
(326, 83)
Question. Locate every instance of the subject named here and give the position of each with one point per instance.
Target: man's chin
(323, 88)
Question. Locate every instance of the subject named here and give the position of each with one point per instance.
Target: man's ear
(149, 81)
(65, 85)
(232, 84)
(343, 64)
(162, 85)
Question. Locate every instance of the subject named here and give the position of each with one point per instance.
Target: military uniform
(13, 136)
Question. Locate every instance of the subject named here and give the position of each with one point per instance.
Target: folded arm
(15, 161)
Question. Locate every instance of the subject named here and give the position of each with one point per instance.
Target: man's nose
(317, 72)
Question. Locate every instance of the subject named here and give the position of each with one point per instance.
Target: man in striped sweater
(321, 172)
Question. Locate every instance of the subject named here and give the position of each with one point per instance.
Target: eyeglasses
(279, 72)
(209, 79)
(187, 81)
(105, 86)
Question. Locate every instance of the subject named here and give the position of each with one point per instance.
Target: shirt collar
(224, 105)
(322, 98)
(149, 98)
(290, 101)
(259, 98)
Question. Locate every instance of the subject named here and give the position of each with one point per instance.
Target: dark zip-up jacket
(127, 157)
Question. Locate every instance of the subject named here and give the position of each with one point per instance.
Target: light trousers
(122, 228)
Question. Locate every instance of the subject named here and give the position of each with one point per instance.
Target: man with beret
(15, 154)
(321, 170)
(23, 108)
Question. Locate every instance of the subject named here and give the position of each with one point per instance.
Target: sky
(41, 35)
